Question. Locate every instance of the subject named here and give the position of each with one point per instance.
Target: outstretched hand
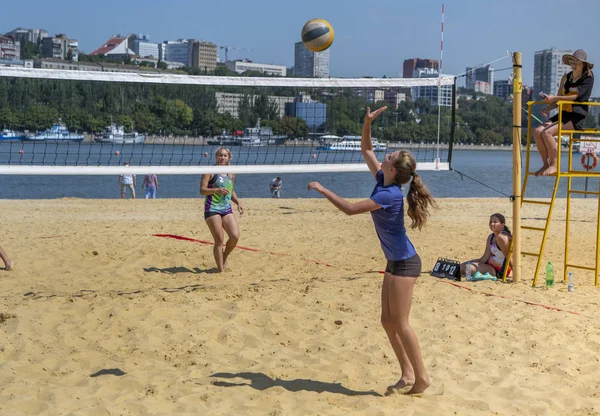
(316, 186)
(370, 116)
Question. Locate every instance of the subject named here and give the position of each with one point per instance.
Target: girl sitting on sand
(497, 245)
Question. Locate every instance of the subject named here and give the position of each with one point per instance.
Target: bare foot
(400, 385)
(550, 171)
(9, 265)
(420, 386)
(541, 170)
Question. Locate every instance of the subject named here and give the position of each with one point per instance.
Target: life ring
(584, 159)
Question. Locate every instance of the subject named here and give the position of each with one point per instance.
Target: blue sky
(372, 38)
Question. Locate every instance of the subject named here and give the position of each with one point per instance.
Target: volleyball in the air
(317, 35)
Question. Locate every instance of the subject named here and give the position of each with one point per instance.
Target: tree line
(89, 106)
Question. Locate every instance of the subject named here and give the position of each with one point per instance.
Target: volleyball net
(86, 122)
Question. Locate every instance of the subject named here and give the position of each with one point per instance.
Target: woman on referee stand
(218, 189)
(577, 85)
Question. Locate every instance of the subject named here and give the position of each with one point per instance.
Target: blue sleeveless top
(389, 221)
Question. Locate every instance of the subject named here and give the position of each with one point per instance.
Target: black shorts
(575, 118)
(212, 214)
(410, 267)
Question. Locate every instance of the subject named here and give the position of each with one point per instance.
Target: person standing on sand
(386, 206)
(127, 181)
(218, 189)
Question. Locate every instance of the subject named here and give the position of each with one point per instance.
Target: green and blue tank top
(217, 202)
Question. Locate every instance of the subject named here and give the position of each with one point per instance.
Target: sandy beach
(101, 317)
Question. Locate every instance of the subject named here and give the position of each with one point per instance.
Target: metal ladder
(570, 174)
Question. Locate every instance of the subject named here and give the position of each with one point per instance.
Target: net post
(453, 126)
(517, 91)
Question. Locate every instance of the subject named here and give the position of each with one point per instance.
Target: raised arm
(366, 145)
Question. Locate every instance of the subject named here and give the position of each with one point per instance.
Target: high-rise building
(411, 65)
(60, 47)
(502, 88)
(431, 92)
(190, 52)
(143, 48)
(480, 79)
(10, 49)
(310, 64)
(204, 55)
(28, 35)
(548, 70)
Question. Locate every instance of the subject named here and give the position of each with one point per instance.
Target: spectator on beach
(127, 181)
(275, 186)
(497, 245)
(151, 185)
(577, 85)
(218, 189)
(386, 206)
(8, 263)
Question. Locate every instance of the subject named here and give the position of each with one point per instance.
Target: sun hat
(580, 55)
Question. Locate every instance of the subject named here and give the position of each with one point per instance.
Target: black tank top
(580, 89)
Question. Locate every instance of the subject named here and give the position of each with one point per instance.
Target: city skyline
(388, 33)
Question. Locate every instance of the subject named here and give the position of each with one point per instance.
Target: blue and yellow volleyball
(317, 35)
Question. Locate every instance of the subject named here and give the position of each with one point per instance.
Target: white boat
(58, 133)
(11, 135)
(350, 144)
(116, 134)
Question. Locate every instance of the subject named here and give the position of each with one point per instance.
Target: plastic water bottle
(549, 275)
(571, 282)
(468, 271)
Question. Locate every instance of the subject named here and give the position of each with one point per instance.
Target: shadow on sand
(260, 381)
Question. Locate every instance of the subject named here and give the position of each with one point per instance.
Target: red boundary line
(552, 308)
(178, 237)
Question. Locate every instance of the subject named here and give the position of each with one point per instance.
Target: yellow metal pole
(568, 219)
(517, 91)
(597, 242)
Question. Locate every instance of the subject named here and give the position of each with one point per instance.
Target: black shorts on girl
(575, 118)
(410, 267)
(222, 214)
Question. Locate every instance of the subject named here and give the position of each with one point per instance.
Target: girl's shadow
(260, 381)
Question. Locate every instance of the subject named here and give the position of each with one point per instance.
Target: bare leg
(8, 263)
(215, 225)
(232, 229)
(408, 374)
(474, 267)
(400, 301)
(540, 142)
(552, 146)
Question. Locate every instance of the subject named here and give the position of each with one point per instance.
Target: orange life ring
(584, 159)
